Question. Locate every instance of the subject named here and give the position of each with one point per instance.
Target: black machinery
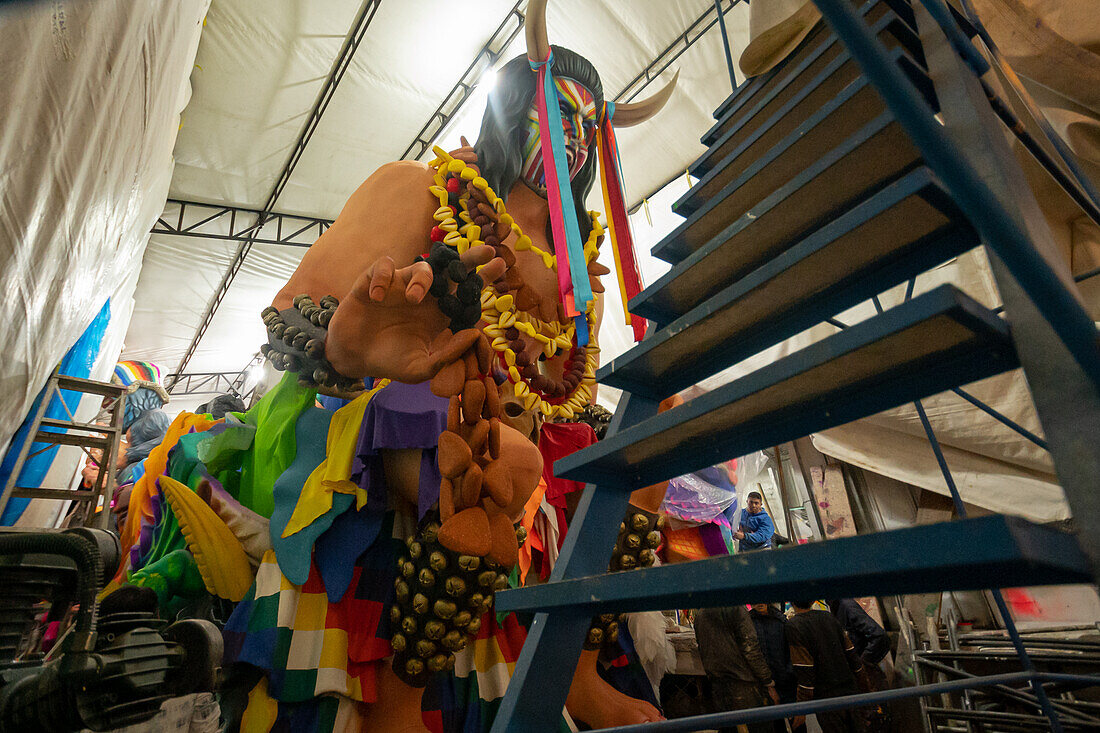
(110, 665)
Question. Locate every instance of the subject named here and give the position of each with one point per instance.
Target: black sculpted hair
(755, 495)
(499, 145)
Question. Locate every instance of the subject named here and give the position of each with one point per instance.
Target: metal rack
(70, 432)
(871, 154)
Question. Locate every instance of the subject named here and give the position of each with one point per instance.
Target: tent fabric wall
(92, 93)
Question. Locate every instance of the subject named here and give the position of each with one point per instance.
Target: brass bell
(639, 522)
(425, 648)
(414, 667)
(415, 549)
(437, 663)
(454, 586)
(486, 578)
(398, 642)
(462, 619)
(444, 609)
(401, 590)
(475, 600)
(437, 561)
(408, 569)
(420, 603)
(632, 542)
(653, 540)
(434, 629)
(469, 563)
(408, 625)
(395, 613)
(474, 627)
(431, 531)
(426, 578)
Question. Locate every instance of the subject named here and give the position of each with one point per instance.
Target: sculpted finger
(419, 280)
(478, 255)
(493, 271)
(381, 278)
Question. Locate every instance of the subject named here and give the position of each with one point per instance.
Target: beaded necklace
(459, 225)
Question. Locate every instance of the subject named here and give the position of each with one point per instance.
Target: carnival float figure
(456, 306)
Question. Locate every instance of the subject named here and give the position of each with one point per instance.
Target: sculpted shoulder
(392, 182)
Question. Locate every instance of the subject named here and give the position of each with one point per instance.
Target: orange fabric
(155, 465)
(530, 510)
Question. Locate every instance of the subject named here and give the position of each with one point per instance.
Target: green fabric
(274, 447)
(167, 536)
(225, 451)
(176, 575)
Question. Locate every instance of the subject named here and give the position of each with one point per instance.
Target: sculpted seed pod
(469, 563)
(434, 629)
(612, 630)
(632, 542)
(415, 549)
(398, 642)
(420, 603)
(425, 648)
(395, 613)
(408, 625)
(437, 663)
(475, 600)
(486, 578)
(646, 558)
(474, 627)
(437, 561)
(521, 534)
(462, 619)
(454, 586)
(431, 532)
(653, 540)
(299, 298)
(595, 637)
(401, 591)
(426, 578)
(501, 582)
(627, 562)
(639, 522)
(408, 569)
(444, 609)
(414, 667)
(607, 618)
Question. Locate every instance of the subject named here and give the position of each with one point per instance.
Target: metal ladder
(86, 436)
(870, 155)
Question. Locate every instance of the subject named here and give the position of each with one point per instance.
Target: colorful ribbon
(618, 224)
(573, 285)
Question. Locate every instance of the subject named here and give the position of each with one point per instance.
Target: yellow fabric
(141, 496)
(261, 712)
(334, 473)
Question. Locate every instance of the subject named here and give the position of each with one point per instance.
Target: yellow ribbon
(334, 473)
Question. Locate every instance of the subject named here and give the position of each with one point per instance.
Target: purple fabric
(401, 416)
(712, 540)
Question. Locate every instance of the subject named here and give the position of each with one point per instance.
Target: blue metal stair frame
(1058, 347)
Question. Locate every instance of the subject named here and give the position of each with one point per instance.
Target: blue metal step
(830, 183)
(988, 552)
(899, 232)
(769, 122)
(936, 341)
(817, 42)
(778, 152)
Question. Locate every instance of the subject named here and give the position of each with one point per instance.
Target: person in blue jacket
(756, 528)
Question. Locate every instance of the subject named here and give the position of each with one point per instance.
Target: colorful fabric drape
(573, 285)
(622, 241)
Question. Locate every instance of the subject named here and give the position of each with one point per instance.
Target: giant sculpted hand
(387, 327)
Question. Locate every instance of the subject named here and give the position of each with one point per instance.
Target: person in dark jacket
(771, 631)
(826, 665)
(735, 665)
(868, 638)
(756, 528)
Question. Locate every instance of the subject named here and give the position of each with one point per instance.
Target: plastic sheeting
(91, 94)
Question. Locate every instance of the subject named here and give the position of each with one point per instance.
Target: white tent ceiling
(259, 68)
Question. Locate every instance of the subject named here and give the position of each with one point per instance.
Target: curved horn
(635, 113)
(538, 47)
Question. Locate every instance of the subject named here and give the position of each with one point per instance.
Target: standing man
(735, 665)
(771, 630)
(756, 528)
(826, 665)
